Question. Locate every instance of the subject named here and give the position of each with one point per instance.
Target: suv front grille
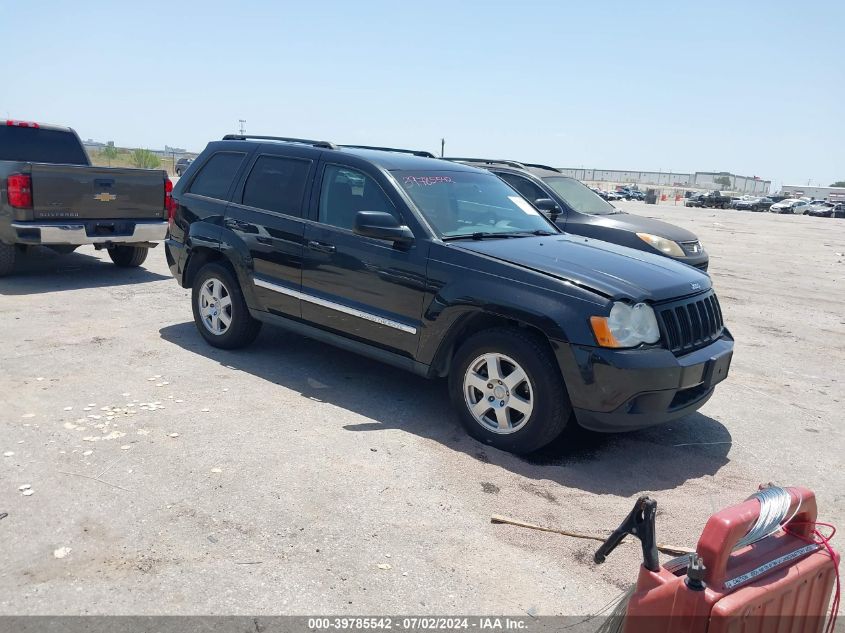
(690, 324)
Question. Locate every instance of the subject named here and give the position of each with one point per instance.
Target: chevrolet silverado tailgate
(81, 192)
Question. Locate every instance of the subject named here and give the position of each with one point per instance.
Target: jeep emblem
(695, 286)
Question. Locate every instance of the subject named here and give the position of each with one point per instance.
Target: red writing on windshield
(425, 181)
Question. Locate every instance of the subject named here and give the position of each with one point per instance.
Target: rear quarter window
(215, 177)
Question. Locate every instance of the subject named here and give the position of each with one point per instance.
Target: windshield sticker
(523, 204)
(426, 181)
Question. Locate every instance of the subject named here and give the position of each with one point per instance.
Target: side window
(525, 187)
(216, 176)
(345, 192)
(277, 184)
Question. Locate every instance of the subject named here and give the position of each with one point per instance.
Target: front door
(362, 288)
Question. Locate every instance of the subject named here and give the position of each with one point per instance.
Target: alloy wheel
(215, 306)
(498, 393)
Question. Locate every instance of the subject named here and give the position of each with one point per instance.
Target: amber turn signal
(602, 332)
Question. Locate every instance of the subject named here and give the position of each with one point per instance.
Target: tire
(128, 256)
(179, 172)
(506, 350)
(211, 308)
(7, 258)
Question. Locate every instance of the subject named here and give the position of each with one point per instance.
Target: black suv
(444, 270)
(578, 209)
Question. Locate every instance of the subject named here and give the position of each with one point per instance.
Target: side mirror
(547, 205)
(381, 226)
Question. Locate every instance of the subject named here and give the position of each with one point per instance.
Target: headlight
(667, 247)
(627, 326)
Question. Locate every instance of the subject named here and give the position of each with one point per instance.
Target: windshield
(39, 145)
(579, 197)
(463, 203)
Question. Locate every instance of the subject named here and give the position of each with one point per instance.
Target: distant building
(697, 180)
(833, 194)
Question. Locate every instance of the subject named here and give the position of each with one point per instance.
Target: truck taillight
(14, 123)
(169, 203)
(19, 191)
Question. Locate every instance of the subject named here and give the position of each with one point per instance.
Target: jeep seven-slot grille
(690, 324)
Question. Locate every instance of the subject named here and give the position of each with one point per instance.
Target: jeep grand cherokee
(444, 270)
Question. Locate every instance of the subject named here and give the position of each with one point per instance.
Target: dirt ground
(293, 478)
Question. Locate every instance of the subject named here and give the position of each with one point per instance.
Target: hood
(610, 270)
(640, 224)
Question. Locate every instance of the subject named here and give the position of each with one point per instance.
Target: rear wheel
(507, 390)
(7, 258)
(128, 256)
(220, 312)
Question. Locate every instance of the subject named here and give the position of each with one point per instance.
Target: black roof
(384, 157)
(399, 160)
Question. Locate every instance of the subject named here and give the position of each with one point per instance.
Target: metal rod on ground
(666, 549)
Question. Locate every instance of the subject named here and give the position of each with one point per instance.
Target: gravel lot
(307, 480)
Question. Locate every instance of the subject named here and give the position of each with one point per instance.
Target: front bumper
(89, 232)
(622, 390)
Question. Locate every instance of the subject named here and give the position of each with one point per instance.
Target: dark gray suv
(577, 209)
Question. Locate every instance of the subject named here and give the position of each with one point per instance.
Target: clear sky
(755, 88)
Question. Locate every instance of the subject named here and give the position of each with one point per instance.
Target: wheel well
(199, 258)
(470, 325)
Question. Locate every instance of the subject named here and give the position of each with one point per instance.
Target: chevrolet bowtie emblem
(105, 197)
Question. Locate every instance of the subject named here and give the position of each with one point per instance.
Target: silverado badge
(105, 197)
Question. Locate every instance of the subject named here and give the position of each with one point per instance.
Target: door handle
(232, 223)
(321, 247)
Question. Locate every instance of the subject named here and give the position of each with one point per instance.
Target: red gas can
(780, 583)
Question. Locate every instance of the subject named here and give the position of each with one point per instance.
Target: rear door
(266, 215)
(360, 287)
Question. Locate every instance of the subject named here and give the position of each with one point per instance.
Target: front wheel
(507, 390)
(220, 312)
(128, 256)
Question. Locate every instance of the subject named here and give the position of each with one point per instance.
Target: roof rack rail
(539, 166)
(287, 139)
(487, 161)
(416, 152)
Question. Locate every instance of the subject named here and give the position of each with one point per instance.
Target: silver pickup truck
(51, 195)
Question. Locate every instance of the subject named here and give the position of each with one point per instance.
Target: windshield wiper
(482, 235)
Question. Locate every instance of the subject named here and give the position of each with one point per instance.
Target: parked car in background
(613, 196)
(576, 209)
(693, 200)
(790, 205)
(715, 200)
(51, 196)
(821, 209)
(182, 165)
(754, 204)
(631, 194)
(816, 205)
(444, 270)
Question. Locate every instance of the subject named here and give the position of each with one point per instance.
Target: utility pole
(242, 123)
(442, 147)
